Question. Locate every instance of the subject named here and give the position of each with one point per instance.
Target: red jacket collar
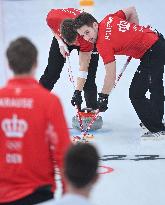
(22, 81)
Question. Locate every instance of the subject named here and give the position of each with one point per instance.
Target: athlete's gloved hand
(77, 99)
(63, 48)
(102, 102)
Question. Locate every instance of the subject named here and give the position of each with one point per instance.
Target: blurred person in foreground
(33, 132)
(81, 173)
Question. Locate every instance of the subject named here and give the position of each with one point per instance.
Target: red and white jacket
(56, 16)
(116, 36)
(33, 138)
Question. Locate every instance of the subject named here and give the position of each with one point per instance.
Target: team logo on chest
(123, 26)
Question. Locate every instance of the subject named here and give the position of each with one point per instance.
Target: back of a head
(21, 55)
(84, 19)
(68, 32)
(81, 164)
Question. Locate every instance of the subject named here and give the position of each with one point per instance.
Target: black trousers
(149, 76)
(55, 64)
(40, 195)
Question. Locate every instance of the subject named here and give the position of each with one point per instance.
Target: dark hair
(21, 55)
(84, 19)
(81, 164)
(68, 32)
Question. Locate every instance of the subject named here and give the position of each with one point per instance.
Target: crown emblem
(14, 127)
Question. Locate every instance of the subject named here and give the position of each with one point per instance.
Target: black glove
(102, 102)
(77, 99)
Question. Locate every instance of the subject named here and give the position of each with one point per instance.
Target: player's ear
(95, 25)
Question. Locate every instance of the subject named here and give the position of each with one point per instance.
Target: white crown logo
(14, 127)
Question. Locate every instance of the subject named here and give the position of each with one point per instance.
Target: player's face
(89, 33)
